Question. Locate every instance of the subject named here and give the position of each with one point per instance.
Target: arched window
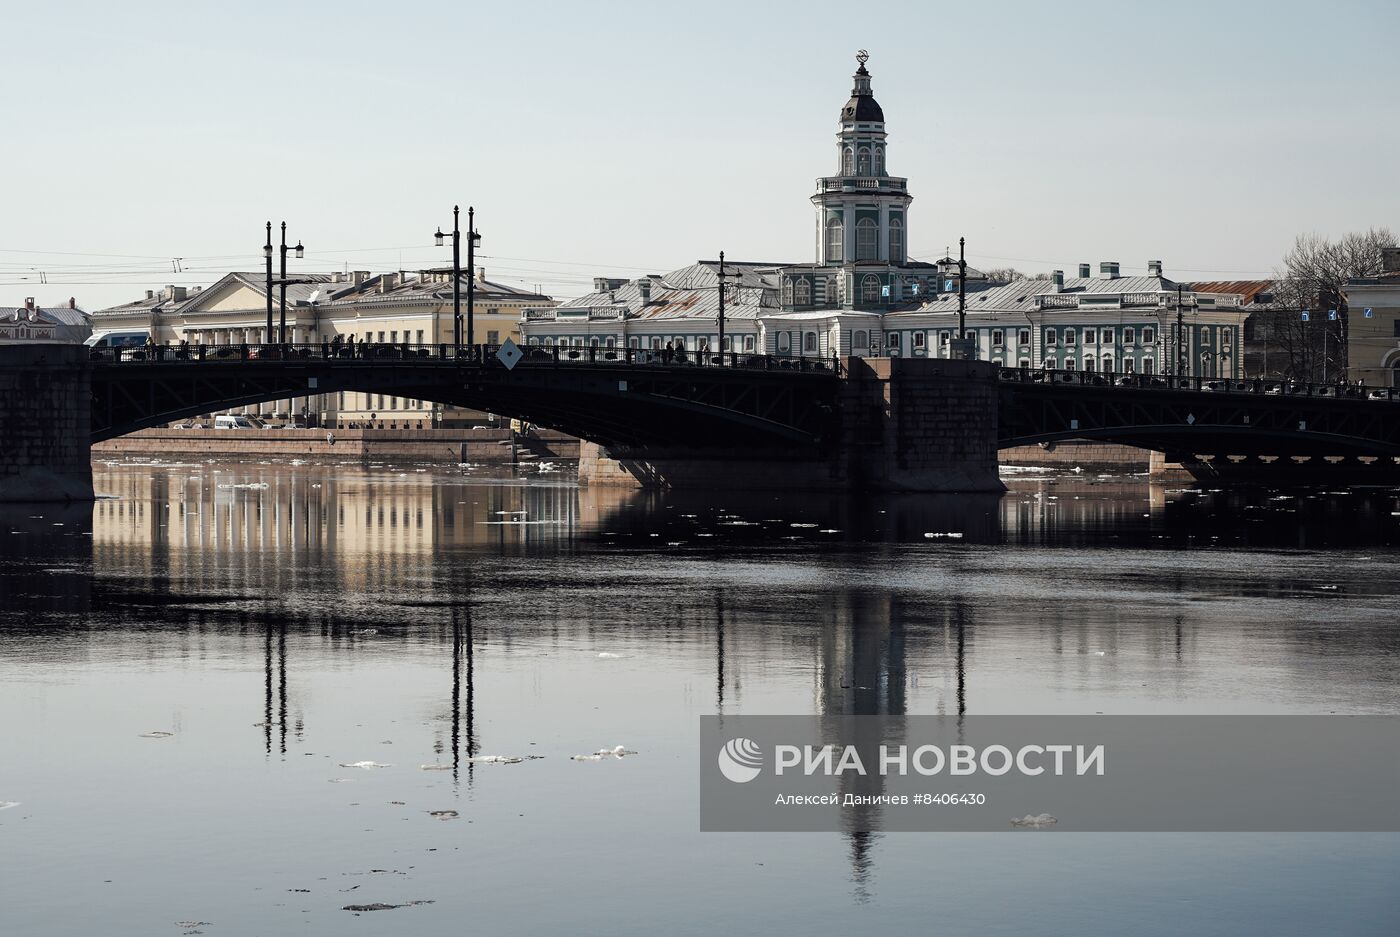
(896, 241)
(879, 160)
(863, 161)
(1089, 364)
(784, 342)
(802, 292)
(848, 163)
(861, 340)
(834, 240)
(787, 292)
(866, 230)
(870, 289)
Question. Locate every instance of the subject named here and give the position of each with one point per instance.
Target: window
(998, 337)
(970, 335)
(1069, 336)
(869, 288)
(1129, 366)
(1205, 336)
(728, 343)
(593, 343)
(892, 340)
(493, 337)
(1089, 365)
(1149, 366)
(848, 163)
(634, 342)
(861, 340)
(1023, 363)
(834, 240)
(1225, 338)
(879, 160)
(656, 342)
(1023, 337)
(802, 292)
(1069, 364)
(1091, 336)
(1149, 335)
(896, 241)
(1108, 363)
(394, 337)
(866, 229)
(381, 338)
(1396, 326)
(393, 403)
(748, 343)
(945, 337)
(1106, 337)
(918, 339)
(787, 292)
(1129, 335)
(809, 341)
(863, 161)
(784, 342)
(1049, 336)
(612, 340)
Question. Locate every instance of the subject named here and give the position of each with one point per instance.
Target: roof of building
(1020, 295)
(432, 285)
(862, 105)
(692, 291)
(1248, 290)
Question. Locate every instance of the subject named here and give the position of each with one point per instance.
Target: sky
(629, 138)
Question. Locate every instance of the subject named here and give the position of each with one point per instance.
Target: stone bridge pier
(45, 396)
(900, 424)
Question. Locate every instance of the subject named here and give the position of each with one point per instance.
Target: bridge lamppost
(283, 281)
(472, 237)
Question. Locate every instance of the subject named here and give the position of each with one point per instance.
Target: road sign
(510, 354)
(1305, 316)
(1368, 312)
(1332, 315)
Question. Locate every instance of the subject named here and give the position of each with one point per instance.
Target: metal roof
(1020, 295)
(692, 291)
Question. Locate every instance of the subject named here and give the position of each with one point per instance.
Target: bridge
(721, 420)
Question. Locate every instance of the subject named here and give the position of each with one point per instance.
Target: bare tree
(1314, 277)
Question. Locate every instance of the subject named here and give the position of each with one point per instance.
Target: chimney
(644, 284)
(358, 276)
(150, 294)
(1154, 268)
(387, 281)
(1083, 271)
(29, 303)
(177, 293)
(481, 274)
(1108, 270)
(1057, 280)
(72, 303)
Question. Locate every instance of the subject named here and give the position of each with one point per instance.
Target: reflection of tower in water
(462, 660)
(863, 671)
(275, 685)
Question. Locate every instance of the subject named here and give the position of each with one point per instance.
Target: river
(191, 669)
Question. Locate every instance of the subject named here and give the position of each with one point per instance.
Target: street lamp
(472, 237)
(283, 281)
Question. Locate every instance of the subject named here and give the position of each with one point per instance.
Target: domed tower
(862, 212)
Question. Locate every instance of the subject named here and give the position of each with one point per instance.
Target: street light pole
(283, 281)
(456, 275)
(962, 290)
(267, 253)
(721, 305)
(1180, 335)
(472, 238)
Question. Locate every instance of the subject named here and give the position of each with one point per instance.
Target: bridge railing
(1271, 387)
(482, 356)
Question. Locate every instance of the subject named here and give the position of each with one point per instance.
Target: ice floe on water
(434, 767)
(617, 751)
(444, 814)
(7, 804)
(952, 535)
(608, 655)
(157, 734)
(1035, 822)
(503, 759)
(381, 906)
(364, 764)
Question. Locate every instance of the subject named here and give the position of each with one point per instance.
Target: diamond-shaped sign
(509, 354)
(1190, 419)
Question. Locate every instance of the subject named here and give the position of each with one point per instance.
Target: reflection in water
(340, 599)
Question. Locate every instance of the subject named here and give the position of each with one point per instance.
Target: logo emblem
(740, 760)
